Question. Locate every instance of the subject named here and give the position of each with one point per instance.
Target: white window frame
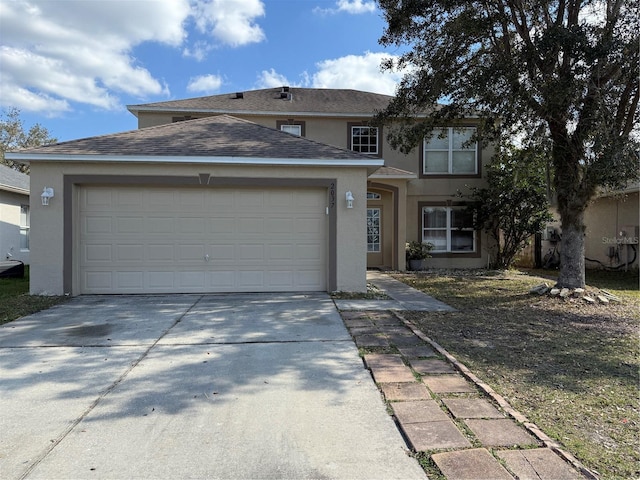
(25, 227)
(371, 149)
(292, 129)
(450, 150)
(374, 240)
(450, 231)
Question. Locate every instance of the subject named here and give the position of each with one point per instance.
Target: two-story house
(280, 189)
(413, 197)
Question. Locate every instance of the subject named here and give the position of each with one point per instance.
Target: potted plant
(416, 253)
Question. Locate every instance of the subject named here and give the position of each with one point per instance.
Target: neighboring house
(205, 198)
(611, 233)
(14, 215)
(612, 220)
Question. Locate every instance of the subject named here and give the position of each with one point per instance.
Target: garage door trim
(70, 200)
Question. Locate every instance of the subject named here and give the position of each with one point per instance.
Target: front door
(374, 236)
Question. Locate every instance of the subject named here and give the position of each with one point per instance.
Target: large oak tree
(558, 73)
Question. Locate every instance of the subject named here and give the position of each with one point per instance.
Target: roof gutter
(9, 188)
(371, 164)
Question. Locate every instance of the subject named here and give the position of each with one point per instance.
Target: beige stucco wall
(441, 189)
(48, 221)
(605, 218)
(10, 203)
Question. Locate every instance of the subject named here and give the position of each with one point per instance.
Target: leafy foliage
(418, 250)
(13, 137)
(513, 206)
(564, 72)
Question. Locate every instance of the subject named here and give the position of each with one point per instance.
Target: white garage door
(198, 240)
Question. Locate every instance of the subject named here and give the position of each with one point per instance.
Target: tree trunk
(572, 251)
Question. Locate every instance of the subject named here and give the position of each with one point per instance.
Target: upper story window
(364, 139)
(291, 126)
(450, 151)
(25, 226)
(449, 229)
(292, 129)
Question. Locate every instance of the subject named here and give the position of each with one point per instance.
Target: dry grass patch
(570, 367)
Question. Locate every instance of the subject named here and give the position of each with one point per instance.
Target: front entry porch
(386, 218)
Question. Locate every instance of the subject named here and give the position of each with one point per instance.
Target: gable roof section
(216, 139)
(276, 101)
(12, 180)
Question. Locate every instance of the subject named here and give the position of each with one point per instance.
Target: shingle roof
(216, 136)
(13, 180)
(276, 101)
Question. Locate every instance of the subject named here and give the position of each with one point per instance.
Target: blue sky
(73, 65)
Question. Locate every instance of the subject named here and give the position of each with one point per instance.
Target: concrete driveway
(192, 386)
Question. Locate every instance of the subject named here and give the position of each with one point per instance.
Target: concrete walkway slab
(448, 384)
(434, 435)
(402, 391)
(419, 412)
(402, 297)
(500, 433)
(538, 463)
(474, 464)
(200, 387)
(472, 408)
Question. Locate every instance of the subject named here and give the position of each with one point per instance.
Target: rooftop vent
(285, 94)
(239, 94)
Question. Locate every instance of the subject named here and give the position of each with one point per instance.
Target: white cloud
(355, 7)
(55, 53)
(270, 79)
(359, 72)
(230, 21)
(205, 84)
(58, 52)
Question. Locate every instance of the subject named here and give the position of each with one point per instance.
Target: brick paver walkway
(442, 409)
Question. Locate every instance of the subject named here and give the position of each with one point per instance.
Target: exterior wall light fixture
(349, 196)
(47, 193)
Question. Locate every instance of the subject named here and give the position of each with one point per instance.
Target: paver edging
(528, 425)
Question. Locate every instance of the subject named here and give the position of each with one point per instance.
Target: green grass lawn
(15, 301)
(570, 367)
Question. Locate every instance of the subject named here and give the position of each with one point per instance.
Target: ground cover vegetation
(15, 301)
(561, 77)
(570, 367)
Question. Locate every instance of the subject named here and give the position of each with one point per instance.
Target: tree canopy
(13, 137)
(559, 73)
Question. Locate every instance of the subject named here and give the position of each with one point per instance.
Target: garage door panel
(130, 252)
(132, 281)
(97, 225)
(128, 198)
(98, 280)
(161, 281)
(130, 225)
(160, 225)
(160, 253)
(207, 240)
(192, 225)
